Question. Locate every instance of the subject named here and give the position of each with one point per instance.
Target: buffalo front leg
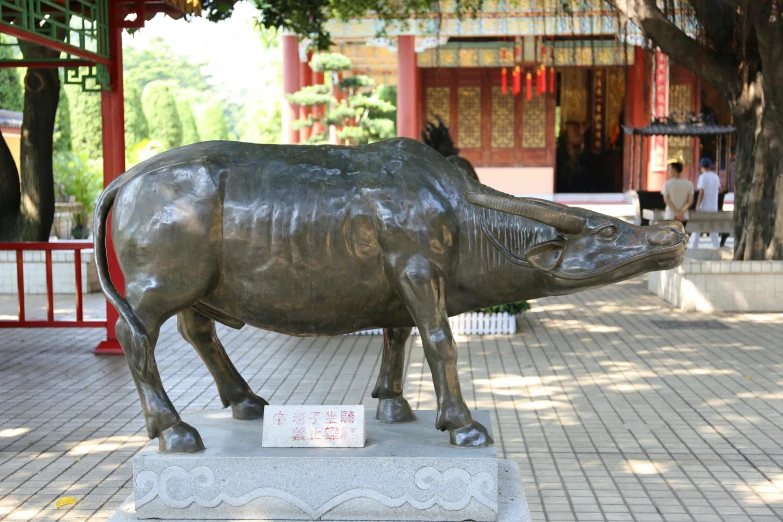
(200, 332)
(422, 288)
(392, 406)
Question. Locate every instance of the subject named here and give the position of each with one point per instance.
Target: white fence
(473, 323)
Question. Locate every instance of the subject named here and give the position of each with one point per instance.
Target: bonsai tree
(350, 105)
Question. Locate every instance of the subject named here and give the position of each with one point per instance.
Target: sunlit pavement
(610, 416)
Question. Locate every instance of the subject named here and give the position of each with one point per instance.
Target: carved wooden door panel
(490, 128)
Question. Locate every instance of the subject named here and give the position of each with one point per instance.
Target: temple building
(536, 100)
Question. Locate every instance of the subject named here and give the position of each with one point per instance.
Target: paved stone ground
(610, 416)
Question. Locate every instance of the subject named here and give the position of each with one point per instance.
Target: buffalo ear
(546, 256)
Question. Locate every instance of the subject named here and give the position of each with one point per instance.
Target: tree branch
(674, 42)
(717, 18)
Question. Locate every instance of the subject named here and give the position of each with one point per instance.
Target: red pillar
(407, 123)
(113, 134)
(637, 114)
(305, 80)
(290, 86)
(318, 110)
(656, 175)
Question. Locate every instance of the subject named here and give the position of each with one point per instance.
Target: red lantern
(543, 79)
(529, 86)
(504, 80)
(517, 80)
(552, 79)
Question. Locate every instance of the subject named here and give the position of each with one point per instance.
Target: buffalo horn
(560, 220)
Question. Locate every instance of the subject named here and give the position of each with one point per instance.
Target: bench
(722, 221)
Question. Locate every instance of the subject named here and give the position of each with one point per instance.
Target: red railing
(47, 248)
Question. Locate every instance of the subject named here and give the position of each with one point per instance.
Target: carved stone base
(512, 505)
(406, 472)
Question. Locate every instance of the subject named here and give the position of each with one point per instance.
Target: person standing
(677, 194)
(709, 189)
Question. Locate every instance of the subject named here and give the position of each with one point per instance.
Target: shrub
(512, 308)
(75, 174)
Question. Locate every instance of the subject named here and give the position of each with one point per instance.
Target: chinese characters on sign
(661, 107)
(313, 427)
(598, 117)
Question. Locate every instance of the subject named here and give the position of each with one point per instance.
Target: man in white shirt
(709, 188)
(677, 194)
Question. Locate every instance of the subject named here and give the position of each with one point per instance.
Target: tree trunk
(42, 94)
(758, 201)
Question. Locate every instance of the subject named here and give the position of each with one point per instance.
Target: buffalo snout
(666, 234)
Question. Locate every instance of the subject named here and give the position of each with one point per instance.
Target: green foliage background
(190, 133)
(85, 121)
(160, 108)
(212, 123)
(11, 93)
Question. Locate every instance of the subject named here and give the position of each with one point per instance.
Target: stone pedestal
(405, 472)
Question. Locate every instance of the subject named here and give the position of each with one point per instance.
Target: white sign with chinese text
(313, 427)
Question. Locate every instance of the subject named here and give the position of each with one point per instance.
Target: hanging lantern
(517, 80)
(529, 86)
(552, 79)
(504, 80)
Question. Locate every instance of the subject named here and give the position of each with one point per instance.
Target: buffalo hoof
(180, 438)
(394, 411)
(473, 435)
(250, 408)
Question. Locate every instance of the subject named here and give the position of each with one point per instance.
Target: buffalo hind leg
(422, 288)
(162, 419)
(392, 406)
(200, 332)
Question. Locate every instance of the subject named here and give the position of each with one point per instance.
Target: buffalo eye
(610, 232)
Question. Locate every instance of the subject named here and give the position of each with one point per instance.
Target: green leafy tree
(62, 125)
(75, 174)
(358, 118)
(136, 129)
(86, 123)
(189, 130)
(262, 124)
(11, 94)
(160, 108)
(158, 62)
(212, 123)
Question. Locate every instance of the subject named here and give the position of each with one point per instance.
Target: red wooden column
(407, 122)
(318, 110)
(113, 121)
(637, 114)
(305, 80)
(659, 149)
(290, 86)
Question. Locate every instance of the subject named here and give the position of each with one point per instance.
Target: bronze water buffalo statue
(326, 240)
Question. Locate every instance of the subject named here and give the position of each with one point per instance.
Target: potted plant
(82, 179)
(515, 309)
(80, 230)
